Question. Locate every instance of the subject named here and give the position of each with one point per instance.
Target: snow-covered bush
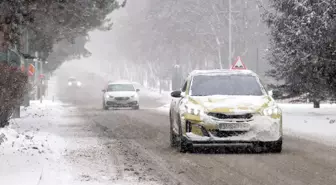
(12, 88)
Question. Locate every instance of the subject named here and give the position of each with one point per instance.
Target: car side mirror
(103, 90)
(276, 94)
(270, 93)
(176, 94)
(137, 90)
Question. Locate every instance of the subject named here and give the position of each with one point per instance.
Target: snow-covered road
(54, 143)
(70, 144)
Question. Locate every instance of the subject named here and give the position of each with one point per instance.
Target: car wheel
(173, 136)
(104, 106)
(183, 146)
(275, 147)
(136, 107)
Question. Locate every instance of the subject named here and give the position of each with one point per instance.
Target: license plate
(234, 126)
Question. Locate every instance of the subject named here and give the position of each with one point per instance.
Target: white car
(72, 82)
(120, 95)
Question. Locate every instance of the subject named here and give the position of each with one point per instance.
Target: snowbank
(164, 109)
(303, 121)
(27, 152)
(162, 97)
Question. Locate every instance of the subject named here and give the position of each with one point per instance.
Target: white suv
(120, 94)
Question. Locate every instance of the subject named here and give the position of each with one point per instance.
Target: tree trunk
(316, 104)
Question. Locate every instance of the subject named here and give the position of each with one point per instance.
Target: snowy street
(55, 143)
(153, 92)
(62, 143)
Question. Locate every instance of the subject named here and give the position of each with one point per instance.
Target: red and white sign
(41, 76)
(31, 70)
(238, 65)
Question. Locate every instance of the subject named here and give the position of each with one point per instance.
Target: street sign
(31, 70)
(41, 76)
(238, 65)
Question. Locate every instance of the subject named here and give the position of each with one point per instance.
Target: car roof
(222, 72)
(121, 82)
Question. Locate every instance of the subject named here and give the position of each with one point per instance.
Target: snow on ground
(302, 121)
(29, 151)
(53, 144)
(163, 96)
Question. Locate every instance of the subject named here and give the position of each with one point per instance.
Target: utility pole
(41, 80)
(36, 76)
(219, 53)
(230, 34)
(257, 65)
(26, 98)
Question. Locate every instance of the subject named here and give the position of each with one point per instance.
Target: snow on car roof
(222, 72)
(121, 82)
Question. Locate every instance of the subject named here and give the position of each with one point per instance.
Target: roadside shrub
(12, 88)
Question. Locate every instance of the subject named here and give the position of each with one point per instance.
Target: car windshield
(120, 87)
(206, 85)
(72, 80)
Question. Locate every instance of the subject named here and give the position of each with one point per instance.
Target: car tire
(184, 146)
(173, 136)
(136, 107)
(104, 106)
(275, 147)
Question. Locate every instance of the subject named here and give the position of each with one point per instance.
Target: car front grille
(218, 133)
(122, 98)
(226, 116)
(116, 104)
(231, 124)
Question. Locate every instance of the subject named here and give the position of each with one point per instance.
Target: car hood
(122, 93)
(232, 104)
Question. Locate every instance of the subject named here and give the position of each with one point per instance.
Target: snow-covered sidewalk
(29, 152)
(54, 143)
(304, 121)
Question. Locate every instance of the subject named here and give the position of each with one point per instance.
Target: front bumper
(206, 132)
(73, 86)
(121, 103)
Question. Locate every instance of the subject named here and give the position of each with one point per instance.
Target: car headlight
(271, 111)
(111, 96)
(194, 109)
(69, 84)
(133, 96)
(79, 83)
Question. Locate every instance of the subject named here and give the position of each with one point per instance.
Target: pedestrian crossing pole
(26, 101)
(230, 34)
